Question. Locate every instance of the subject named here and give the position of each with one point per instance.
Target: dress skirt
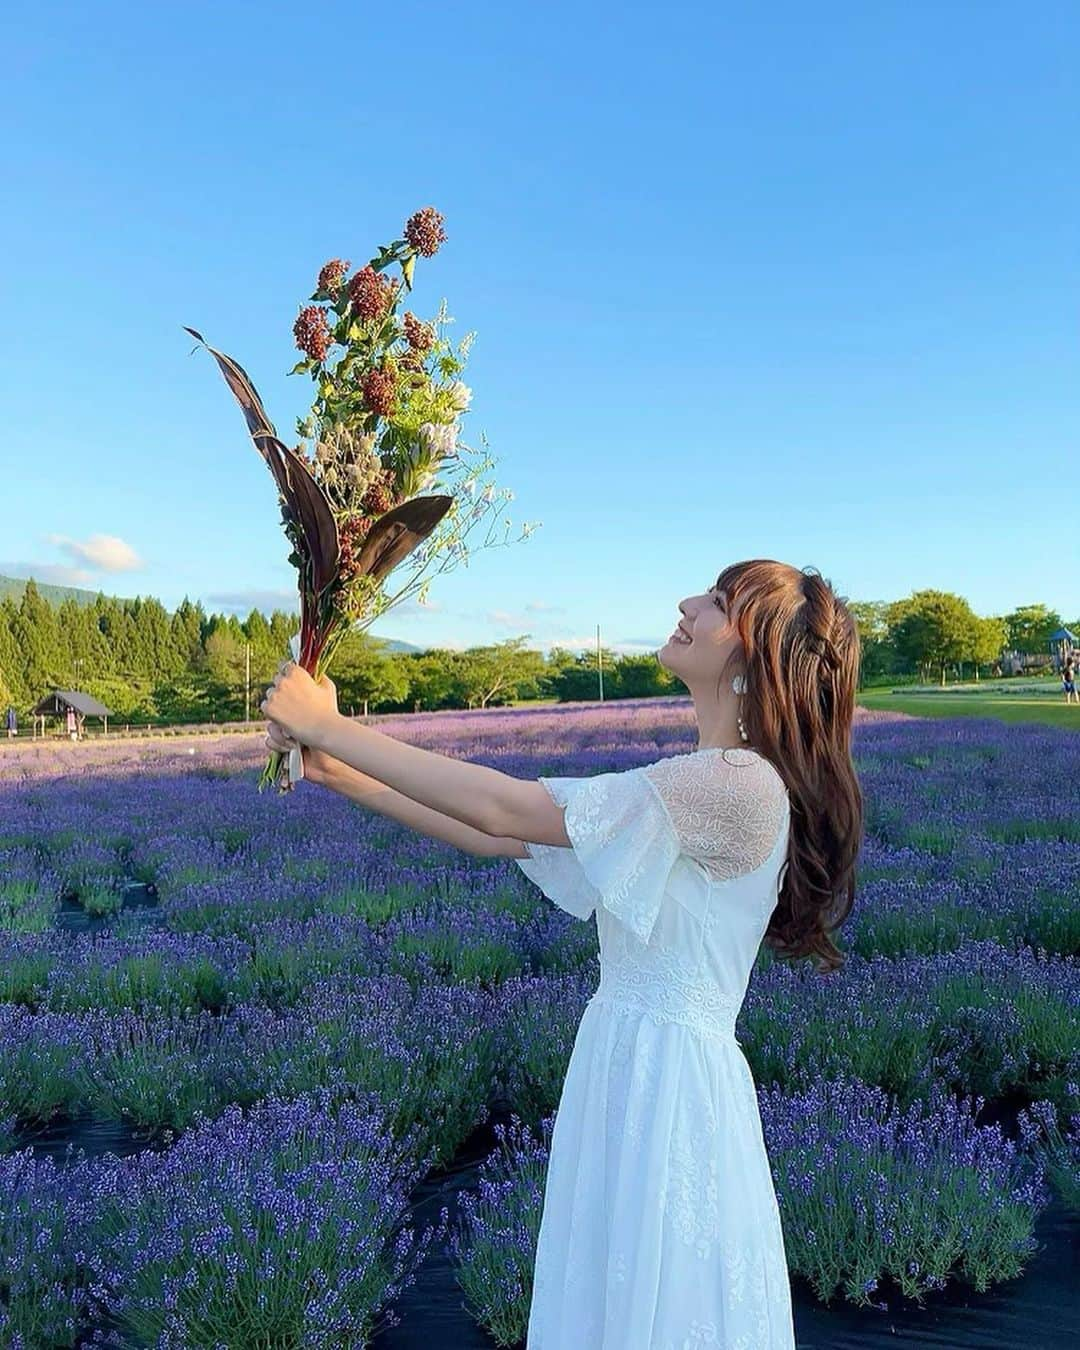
(660, 1227)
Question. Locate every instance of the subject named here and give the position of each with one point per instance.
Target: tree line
(931, 633)
(147, 665)
(150, 666)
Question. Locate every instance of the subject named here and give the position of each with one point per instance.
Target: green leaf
(300, 366)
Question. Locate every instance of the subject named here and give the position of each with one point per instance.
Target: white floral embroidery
(694, 1197)
(623, 849)
(663, 985)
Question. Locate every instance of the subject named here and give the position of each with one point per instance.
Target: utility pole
(600, 663)
(77, 665)
(247, 681)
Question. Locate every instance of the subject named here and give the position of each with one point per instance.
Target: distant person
(12, 722)
(72, 725)
(1068, 679)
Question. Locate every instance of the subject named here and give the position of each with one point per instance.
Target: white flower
(438, 438)
(460, 395)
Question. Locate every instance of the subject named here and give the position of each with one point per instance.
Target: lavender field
(276, 1072)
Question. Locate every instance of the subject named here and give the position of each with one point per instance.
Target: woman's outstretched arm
(369, 792)
(491, 802)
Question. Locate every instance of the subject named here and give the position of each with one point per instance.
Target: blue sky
(791, 281)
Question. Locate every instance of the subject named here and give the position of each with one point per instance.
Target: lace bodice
(725, 806)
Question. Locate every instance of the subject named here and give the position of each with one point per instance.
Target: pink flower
(312, 332)
(424, 231)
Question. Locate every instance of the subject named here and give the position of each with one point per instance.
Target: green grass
(968, 702)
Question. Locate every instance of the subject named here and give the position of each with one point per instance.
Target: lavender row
(285, 1225)
(288, 1224)
(982, 1019)
(431, 1059)
(968, 834)
(875, 1200)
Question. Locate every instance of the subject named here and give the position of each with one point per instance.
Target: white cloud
(55, 574)
(103, 552)
(521, 620)
(442, 644)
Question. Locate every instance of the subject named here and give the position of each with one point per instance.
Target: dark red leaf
(312, 510)
(395, 535)
(303, 496)
(236, 377)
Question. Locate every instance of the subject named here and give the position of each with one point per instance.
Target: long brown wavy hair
(801, 647)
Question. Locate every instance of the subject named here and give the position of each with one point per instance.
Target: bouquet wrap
(296, 754)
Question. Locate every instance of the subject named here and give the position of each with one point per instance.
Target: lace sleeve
(622, 849)
(727, 807)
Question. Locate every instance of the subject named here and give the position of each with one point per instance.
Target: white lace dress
(660, 1227)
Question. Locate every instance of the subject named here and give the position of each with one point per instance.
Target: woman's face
(712, 632)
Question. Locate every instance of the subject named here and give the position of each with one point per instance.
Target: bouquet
(383, 428)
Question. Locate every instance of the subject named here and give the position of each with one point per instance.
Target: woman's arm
(473, 807)
(488, 801)
(367, 791)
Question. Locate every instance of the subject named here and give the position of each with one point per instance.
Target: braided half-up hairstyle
(800, 645)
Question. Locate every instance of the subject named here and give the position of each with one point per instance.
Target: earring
(738, 685)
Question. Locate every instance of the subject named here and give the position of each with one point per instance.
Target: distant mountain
(14, 586)
(394, 645)
(55, 595)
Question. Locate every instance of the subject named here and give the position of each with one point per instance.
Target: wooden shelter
(59, 701)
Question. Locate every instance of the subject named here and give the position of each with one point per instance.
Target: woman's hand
(316, 762)
(300, 705)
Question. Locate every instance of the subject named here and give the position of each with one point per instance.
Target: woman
(660, 1228)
